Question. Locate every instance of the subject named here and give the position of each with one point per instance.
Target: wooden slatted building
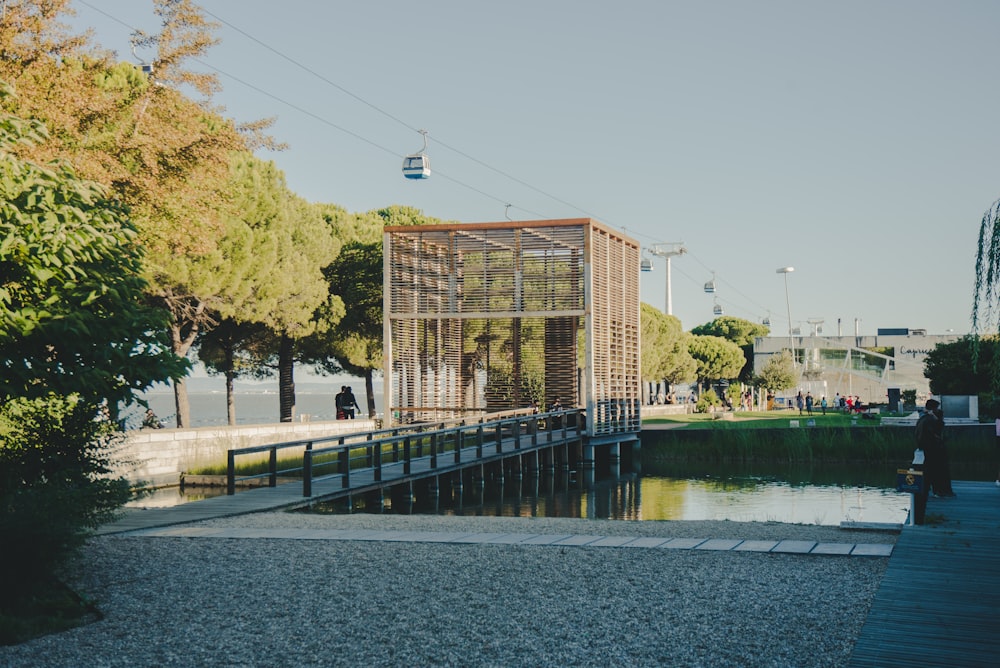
(486, 317)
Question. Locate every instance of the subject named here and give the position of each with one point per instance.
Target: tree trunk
(181, 403)
(230, 377)
(181, 344)
(286, 382)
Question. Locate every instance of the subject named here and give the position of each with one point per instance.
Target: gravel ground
(277, 602)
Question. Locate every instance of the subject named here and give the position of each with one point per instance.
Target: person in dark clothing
(338, 402)
(943, 486)
(929, 434)
(349, 403)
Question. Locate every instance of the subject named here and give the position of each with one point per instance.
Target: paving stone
(722, 544)
(545, 539)
(872, 550)
(611, 541)
(833, 548)
(648, 541)
(795, 546)
(683, 543)
(756, 546)
(580, 539)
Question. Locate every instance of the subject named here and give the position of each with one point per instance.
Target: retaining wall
(159, 456)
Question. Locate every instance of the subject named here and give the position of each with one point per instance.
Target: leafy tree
(716, 358)
(74, 334)
(950, 369)
(739, 331)
(665, 352)
(163, 155)
(986, 292)
(777, 374)
(354, 344)
(233, 349)
(71, 315)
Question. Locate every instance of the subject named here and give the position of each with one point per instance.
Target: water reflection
(739, 494)
(739, 498)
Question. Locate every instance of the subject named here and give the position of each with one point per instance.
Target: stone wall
(158, 457)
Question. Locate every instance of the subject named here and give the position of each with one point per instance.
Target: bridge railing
(399, 445)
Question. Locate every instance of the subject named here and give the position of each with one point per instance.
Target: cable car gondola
(710, 285)
(717, 309)
(646, 264)
(418, 165)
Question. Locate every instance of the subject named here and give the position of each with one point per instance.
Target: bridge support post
(614, 460)
(587, 464)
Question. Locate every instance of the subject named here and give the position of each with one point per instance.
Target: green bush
(55, 485)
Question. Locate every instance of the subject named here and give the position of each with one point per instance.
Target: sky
(855, 141)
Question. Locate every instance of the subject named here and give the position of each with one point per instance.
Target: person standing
(338, 402)
(809, 403)
(349, 403)
(943, 489)
(823, 404)
(799, 402)
(929, 440)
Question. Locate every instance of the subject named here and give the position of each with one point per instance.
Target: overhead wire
(387, 114)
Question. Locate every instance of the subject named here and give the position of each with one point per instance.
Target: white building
(862, 366)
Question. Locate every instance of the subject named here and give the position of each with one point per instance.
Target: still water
(739, 496)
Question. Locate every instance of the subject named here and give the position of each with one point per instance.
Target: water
(654, 497)
(634, 497)
(208, 409)
(718, 492)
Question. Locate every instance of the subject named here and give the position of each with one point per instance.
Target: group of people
(345, 403)
(808, 402)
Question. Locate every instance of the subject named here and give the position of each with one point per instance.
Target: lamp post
(791, 347)
(668, 251)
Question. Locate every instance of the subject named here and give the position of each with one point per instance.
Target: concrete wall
(159, 456)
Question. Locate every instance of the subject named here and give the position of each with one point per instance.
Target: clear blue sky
(855, 140)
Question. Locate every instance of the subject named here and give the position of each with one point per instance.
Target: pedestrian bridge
(390, 462)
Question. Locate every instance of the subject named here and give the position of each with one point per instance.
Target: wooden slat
(939, 601)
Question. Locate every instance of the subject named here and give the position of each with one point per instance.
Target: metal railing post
(272, 479)
(498, 434)
(231, 473)
(459, 436)
(434, 450)
(480, 438)
(345, 465)
(307, 472)
(406, 456)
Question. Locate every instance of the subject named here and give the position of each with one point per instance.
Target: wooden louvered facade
(486, 317)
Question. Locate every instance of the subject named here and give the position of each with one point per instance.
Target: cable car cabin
(717, 310)
(710, 286)
(417, 166)
(646, 264)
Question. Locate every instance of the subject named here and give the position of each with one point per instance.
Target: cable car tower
(418, 165)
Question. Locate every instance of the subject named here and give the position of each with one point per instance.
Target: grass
(757, 420)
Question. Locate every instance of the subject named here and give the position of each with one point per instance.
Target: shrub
(55, 485)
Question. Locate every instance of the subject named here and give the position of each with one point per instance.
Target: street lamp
(791, 347)
(668, 251)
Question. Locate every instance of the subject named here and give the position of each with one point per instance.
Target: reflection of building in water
(864, 366)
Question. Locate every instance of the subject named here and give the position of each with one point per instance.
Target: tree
(665, 354)
(777, 374)
(75, 334)
(72, 318)
(739, 331)
(986, 291)
(950, 369)
(354, 344)
(716, 358)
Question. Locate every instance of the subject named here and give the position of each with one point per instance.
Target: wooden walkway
(939, 601)
(290, 495)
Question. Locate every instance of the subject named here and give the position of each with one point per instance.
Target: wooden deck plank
(939, 600)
